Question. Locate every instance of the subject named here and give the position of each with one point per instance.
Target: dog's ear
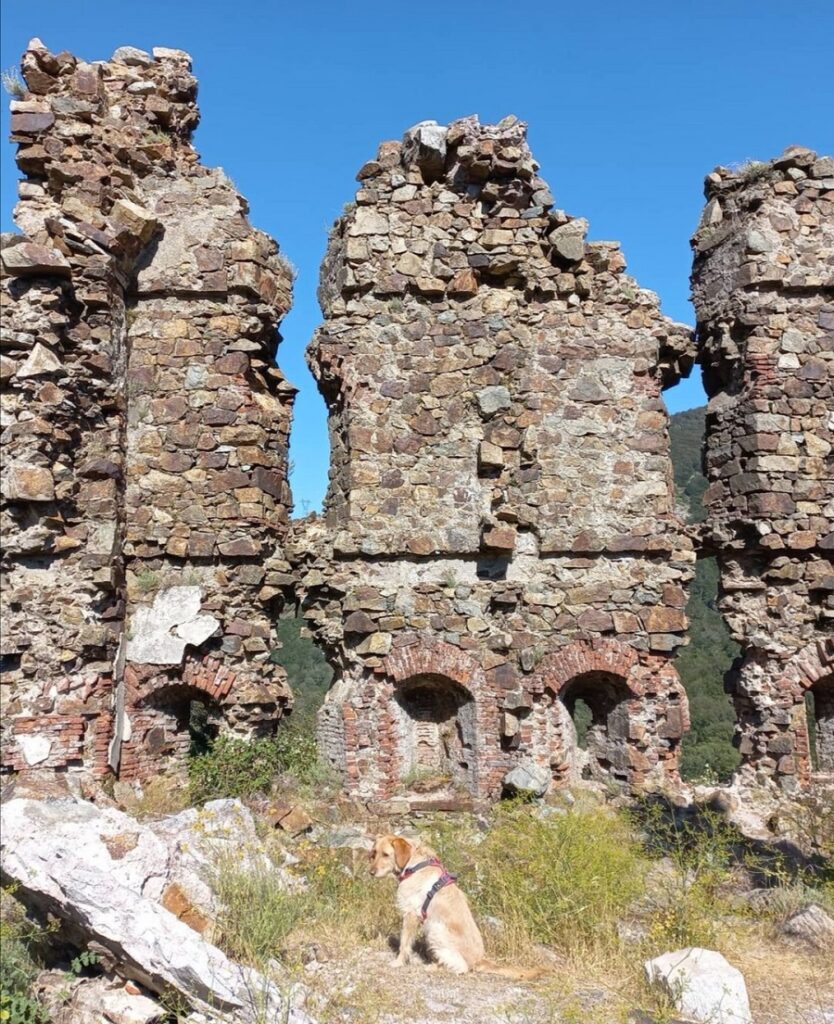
(402, 851)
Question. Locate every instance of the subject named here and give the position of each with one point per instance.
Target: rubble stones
(527, 780)
(810, 924)
(702, 985)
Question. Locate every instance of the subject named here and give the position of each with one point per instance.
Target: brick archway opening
(597, 704)
(436, 727)
(170, 724)
(819, 709)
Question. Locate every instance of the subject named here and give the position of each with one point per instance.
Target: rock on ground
(101, 873)
(702, 985)
(811, 924)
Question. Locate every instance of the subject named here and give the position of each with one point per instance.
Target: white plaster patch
(161, 631)
(127, 728)
(35, 748)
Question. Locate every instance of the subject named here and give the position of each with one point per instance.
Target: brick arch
(426, 657)
(805, 669)
(557, 669)
(808, 666)
(206, 674)
(420, 656)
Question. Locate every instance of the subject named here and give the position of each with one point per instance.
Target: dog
(428, 894)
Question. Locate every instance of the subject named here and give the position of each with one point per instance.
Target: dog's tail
(516, 973)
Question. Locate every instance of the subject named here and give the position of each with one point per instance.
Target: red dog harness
(446, 878)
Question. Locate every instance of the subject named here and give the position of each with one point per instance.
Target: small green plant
(147, 582)
(155, 137)
(287, 264)
(13, 83)
(424, 780)
(86, 958)
(395, 305)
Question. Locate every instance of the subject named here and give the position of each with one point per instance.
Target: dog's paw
(398, 963)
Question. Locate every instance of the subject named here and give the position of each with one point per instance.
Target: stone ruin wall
(499, 537)
(763, 284)
(145, 426)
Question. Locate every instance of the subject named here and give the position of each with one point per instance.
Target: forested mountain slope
(707, 748)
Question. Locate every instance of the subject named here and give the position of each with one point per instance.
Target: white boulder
(702, 985)
(101, 873)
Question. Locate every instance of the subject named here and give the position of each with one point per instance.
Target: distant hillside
(707, 747)
(686, 431)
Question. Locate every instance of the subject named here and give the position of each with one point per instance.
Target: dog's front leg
(408, 933)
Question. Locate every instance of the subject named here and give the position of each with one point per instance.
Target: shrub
(19, 964)
(238, 767)
(233, 767)
(561, 879)
(755, 170)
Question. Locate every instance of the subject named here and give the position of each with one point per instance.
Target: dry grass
(164, 794)
(548, 888)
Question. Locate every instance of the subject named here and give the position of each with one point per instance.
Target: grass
(754, 170)
(561, 880)
(13, 83)
(260, 920)
(21, 946)
(147, 582)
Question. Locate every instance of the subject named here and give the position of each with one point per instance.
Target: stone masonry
(499, 578)
(144, 427)
(499, 541)
(763, 285)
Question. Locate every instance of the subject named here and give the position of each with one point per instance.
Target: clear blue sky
(629, 106)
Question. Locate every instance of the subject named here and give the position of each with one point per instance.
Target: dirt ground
(785, 985)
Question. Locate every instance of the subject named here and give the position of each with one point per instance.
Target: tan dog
(427, 893)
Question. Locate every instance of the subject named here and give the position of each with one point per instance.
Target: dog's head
(388, 855)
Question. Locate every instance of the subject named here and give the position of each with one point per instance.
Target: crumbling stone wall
(763, 284)
(145, 425)
(500, 519)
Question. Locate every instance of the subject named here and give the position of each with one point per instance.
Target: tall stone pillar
(499, 542)
(763, 286)
(145, 425)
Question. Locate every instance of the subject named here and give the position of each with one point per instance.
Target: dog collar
(407, 872)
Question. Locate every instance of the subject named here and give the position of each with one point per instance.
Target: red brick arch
(427, 657)
(556, 670)
(808, 666)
